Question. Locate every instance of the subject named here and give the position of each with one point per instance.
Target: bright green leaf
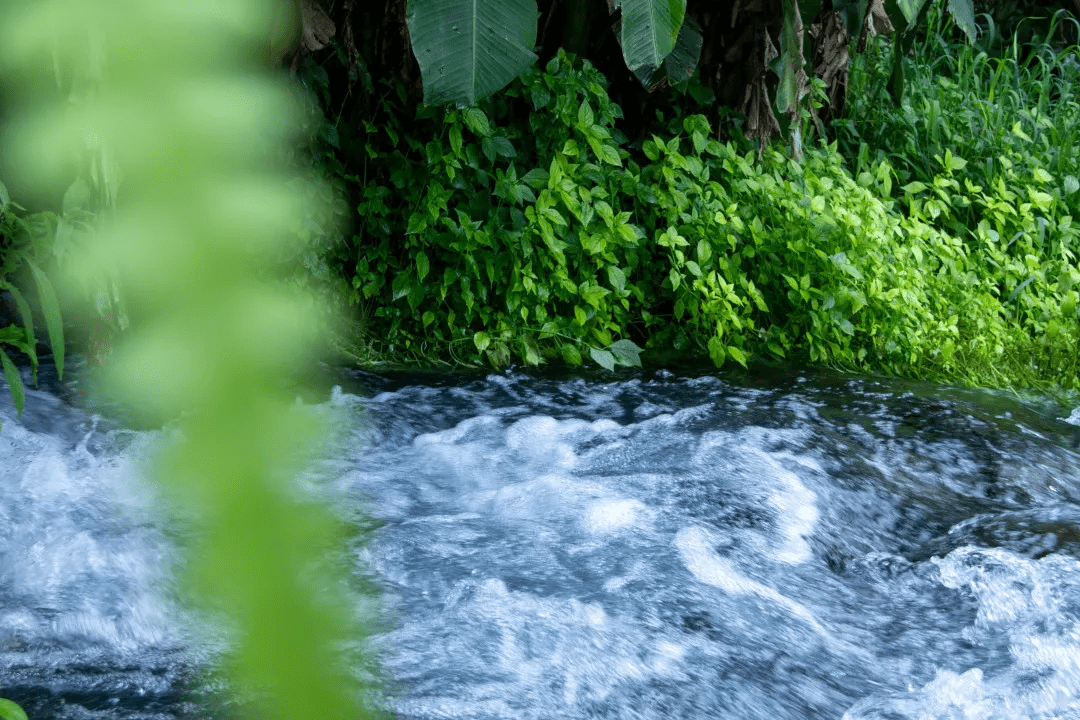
(481, 340)
(716, 351)
(736, 355)
(11, 711)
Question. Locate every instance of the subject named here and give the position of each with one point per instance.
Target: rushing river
(653, 547)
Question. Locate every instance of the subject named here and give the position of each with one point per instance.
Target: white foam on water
(83, 559)
(695, 547)
(1030, 607)
(612, 515)
(1074, 417)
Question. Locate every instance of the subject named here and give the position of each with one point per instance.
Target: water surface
(654, 546)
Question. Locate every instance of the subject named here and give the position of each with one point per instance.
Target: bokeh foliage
(187, 105)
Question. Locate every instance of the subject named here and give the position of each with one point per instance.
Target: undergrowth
(528, 229)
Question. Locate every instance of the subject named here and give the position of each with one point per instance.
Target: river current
(653, 546)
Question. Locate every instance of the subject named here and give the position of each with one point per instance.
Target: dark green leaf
(649, 30)
(468, 49)
(54, 324)
(477, 121)
(422, 265)
(963, 12)
(682, 62)
(503, 147)
(15, 383)
(536, 178)
(910, 9)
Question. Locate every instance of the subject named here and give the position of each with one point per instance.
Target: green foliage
(986, 150)
(493, 241)
(24, 239)
(468, 49)
(195, 116)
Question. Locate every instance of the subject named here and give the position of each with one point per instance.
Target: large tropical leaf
(649, 30)
(468, 49)
(963, 12)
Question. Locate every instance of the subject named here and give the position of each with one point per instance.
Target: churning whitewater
(654, 547)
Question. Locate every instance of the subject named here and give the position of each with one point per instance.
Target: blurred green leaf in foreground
(195, 118)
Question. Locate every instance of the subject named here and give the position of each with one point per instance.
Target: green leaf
(585, 116)
(77, 198)
(736, 355)
(498, 355)
(682, 62)
(54, 324)
(11, 711)
(422, 265)
(27, 319)
(504, 147)
(571, 355)
(428, 318)
(468, 49)
(481, 340)
(536, 178)
(617, 278)
(716, 351)
(488, 147)
(5, 199)
(963, 13)
(626, 353)
(910, 9)
(15, 383)
(1071, 184)
(675, 278)
(401, 286)
(649, 31)
(793, 80)
(602, 358)
(851, 13)
(455, 139)
(610, 155)
(532, 352)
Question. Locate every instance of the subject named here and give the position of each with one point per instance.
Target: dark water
(654, 547)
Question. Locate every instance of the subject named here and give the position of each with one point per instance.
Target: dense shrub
(505, 239)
